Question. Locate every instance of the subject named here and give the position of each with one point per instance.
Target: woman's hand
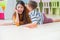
(17, 18)
(16, 10)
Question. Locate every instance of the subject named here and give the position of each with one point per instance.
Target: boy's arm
(31, 25)
(35, 19)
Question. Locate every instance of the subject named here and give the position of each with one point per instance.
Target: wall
(10, 5)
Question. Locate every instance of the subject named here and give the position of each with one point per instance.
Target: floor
(49, 31)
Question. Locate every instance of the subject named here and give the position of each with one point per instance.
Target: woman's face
(20, 8)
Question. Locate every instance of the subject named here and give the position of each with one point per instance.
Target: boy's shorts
(47, 20)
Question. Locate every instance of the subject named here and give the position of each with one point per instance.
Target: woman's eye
(21, 7)
(18, 7)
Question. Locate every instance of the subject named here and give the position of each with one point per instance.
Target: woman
(20, 15)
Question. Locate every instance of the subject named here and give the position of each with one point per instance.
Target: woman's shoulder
(14, 14)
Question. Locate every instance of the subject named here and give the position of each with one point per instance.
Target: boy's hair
(33, 4)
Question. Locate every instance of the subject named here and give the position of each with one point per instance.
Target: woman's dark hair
(20, 2)
(33, 4)
(25, 12)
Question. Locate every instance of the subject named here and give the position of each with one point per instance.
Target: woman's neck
(20, 13)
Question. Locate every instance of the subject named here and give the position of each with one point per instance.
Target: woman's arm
(16, 18)
(6, 24)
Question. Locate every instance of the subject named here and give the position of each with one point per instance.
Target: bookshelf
(51, 7)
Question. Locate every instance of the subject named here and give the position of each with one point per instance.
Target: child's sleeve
(36, 18)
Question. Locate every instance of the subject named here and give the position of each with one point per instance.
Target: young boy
(36, 16)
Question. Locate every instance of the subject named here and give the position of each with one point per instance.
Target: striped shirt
(36, 17)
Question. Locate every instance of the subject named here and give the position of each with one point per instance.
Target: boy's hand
(32, 25)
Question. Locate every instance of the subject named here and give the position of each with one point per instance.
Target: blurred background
(50, 7)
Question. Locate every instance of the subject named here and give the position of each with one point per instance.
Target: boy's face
(29, 7)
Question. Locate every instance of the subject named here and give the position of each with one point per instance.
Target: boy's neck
(31, 10)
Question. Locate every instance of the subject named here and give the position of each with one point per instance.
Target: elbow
(17, 24)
